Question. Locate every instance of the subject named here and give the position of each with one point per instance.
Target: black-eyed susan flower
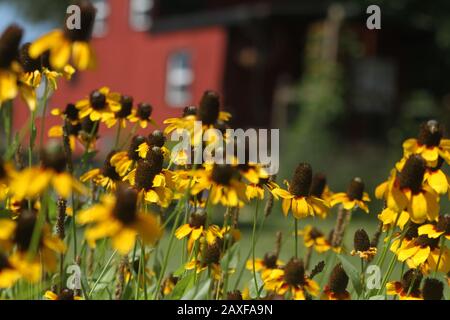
(196, 228)
(429, 144)
(436, 229)
(69, 45)
(410, 283)
(362, 247)
(298, 198)
(424, 253)
(222, 181)
(151, 180)
(336, 289)
(406, 191)
(126, 106)
(266, 265)
(293, 279)
(65, 294)
(8, 273)
(154, 139)
(208, 113)
(169, 284)
(142, 115)
(117, 217)
(107, 176)
(389, 217)
(432, 289)
(19, 233)
(9, 66)
(100, 105)
(125, 161)
(34, 181)
(314, 238)
(355, 197)
(208, 258)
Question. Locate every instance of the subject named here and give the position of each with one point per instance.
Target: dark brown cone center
(294, 272)
(126, 204)
(411, 177)
(144, 111)
(355, 189)
(133, 154)
(338, 280)
(144, 175)
(222, 174)
(411, 281)
(126, 104)
(9, 45)
(97, 100)
(430, 134)
(208, 111)
(361, 240)
(197, 220)
(301, 181)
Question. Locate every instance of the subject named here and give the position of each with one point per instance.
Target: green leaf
(352, 273)
(199, 292)
(378, 297)
(231, 258)
(184, 284)
(252, 289)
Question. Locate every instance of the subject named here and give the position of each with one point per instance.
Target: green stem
(119, 127)
(441, 251)
(102, 273)
(391, 263)
(255, 221)
(37, 231)
(44, 110)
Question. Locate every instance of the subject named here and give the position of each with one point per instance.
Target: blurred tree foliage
(41, 10)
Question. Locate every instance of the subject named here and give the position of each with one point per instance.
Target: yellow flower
(169, 283)
(8, 274)
(19, 233)
(7, 174)
(142, 115)
(410, 283)
(69, 44)
(125, 161)
(292, 278)
(100, 105)
(423, 252)
(313, 237)
(430, 144)
(9, 67)
(208, 258)
(34, 181)
(298, 197)
(354, 197)
(126, 105)
(362, 246)
(196, 229)
(208, 113)
(389, 217)
(117, 217)
(151, 180)
(66, 294)
(406, 191)
(435, 230)
(106, 177)
(266, 265)
(223, 184)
